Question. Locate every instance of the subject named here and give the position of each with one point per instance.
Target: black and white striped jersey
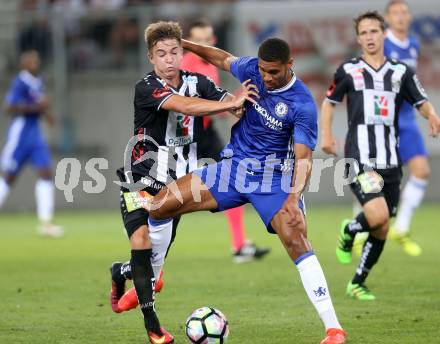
(167, 140)
(374, 98)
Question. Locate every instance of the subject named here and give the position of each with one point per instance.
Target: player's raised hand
(43, 105)
(434, 125)
(50, 119)
(248, 92)
(238, 112)
(329, 144)
(292, 213)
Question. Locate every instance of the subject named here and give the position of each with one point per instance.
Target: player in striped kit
(168, 106)
(376, 87)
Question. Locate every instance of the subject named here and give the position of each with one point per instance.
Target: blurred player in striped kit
(27, 104)
(376, 87)
(402, 46)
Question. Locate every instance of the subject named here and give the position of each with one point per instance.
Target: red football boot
(166, 338)
(159, 283)
(117, 290)
(335, 336)
(129, 300)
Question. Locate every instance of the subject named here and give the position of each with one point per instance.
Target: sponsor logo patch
(281, 109)
(161, 92)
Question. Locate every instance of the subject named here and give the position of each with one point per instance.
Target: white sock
(160, 235)
(4, 191)
(44, 196)
(316, 288)
(412, 196)
(357, 208)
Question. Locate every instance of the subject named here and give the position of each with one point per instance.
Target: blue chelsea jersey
(269, 129)
(26, 89)
(407, 51)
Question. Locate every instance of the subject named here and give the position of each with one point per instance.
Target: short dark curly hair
(374, 15)
(160, 31)
(274, 49)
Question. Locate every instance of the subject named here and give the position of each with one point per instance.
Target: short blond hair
(160, 31)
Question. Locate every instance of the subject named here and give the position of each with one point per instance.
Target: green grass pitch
(56, 291)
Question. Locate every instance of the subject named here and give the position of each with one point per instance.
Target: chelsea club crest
(281, 109)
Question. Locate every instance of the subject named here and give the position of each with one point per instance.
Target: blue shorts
(410, 139)
(232, 185)
(25, 142)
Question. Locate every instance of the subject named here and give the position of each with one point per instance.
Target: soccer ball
(207, 325)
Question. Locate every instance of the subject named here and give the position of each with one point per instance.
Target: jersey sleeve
(412, 90)
(16, 93)
(416, 43)
(241, 66)
(339, 87)
(209, 90)
(149, 94)
(305, 125)
(386, 47)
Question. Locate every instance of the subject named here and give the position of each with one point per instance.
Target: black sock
(121, 272)
(371, 252)
(357, 225)
(143, 280)
(126, 270)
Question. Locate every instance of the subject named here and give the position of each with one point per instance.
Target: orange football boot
(117, 290)
(166, 338)
(335, 336)
(129, 300)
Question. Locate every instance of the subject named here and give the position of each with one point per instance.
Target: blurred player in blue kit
(273, 140)
(27, 103)
(402, 46)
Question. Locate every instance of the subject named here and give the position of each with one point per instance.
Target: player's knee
(159, 213)
(422, 172)
(419, 167)
(140, 241)
(158, 205)
(10, 179)
(380, 222)
(382, 232)
(45, 174)
(165, 205)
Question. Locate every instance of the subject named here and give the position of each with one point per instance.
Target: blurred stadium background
(93, 53)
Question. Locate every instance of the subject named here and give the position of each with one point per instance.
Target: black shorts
(390, 190)
(139, 217)
(209, 144)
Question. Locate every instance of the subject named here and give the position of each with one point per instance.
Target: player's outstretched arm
(200, 107)
(218, 57)
(328, 141)
(428, 111)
